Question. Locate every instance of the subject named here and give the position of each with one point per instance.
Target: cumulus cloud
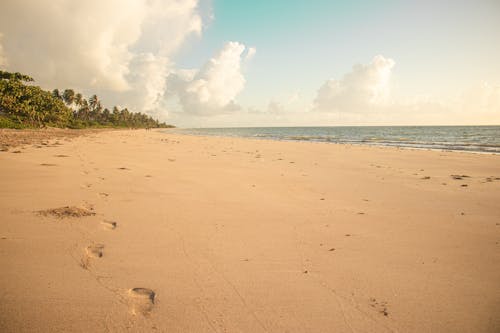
(275, 107)
(365, 86)
(285, 103)
(213, 88)
(363, 96)
(250, 54)
(120, 49)
(147, 80)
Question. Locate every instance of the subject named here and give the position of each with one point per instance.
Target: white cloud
(251, 53)
(285, 103)
(213, 88)
(119, 49)
(147, 79)
(365, 86)
(275, 107)
(363, 96)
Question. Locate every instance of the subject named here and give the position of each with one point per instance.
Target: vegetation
(24, 105)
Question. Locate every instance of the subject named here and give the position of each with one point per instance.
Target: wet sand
(144, 231)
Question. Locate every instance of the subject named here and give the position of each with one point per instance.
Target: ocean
(484, 139)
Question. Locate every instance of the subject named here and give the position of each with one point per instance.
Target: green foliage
(15, 76)
(68, 96)
(30, 105)
(24, 105)
(8, 123)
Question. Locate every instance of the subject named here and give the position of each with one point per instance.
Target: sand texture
(141, 231)
(11, 139)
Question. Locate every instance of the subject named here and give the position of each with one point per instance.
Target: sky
(202, 63)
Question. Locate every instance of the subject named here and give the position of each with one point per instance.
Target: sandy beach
(145, 231)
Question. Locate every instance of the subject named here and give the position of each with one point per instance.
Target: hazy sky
(266, 63)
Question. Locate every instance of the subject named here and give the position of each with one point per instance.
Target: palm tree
(56, 94)
(93, 102)
(95, 106)
(78, 99)
(105, 116)
(83, 112)
(68, 96)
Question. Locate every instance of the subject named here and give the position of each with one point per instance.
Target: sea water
(484, 139)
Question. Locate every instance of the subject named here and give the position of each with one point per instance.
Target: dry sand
(143, 231)
(10, 139)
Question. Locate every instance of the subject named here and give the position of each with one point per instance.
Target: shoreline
(484, 139)
(343, 143)
(146, 230)
(54, 133)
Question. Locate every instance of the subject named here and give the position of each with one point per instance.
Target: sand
(143, 231)
(10, 139)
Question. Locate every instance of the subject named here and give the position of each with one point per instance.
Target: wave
(458, 138)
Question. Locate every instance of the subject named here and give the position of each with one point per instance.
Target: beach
(151, 230)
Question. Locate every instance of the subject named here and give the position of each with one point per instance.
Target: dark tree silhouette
(24, 105)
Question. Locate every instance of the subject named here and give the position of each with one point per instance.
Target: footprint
(109, 224)
(458, 177)
(142, 300)
(85, 262)
(95, 250)
(381, 307)
(92, 251)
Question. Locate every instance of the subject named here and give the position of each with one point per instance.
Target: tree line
(24, 105)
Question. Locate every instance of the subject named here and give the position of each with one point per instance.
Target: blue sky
(316, 62)
(439, 46)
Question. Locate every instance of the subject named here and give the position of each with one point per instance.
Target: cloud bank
(213, 88)
(363, 96)
(123, 50)
(120, 49)
(365, 86)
